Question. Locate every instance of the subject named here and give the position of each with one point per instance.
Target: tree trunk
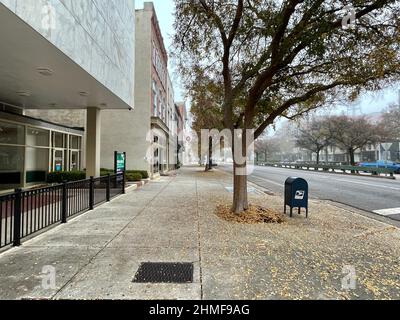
(209, 164)
(351, 157)
(240, 200)
(318, 153)
(210, 153)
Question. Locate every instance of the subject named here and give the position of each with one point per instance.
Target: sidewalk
(97, 255)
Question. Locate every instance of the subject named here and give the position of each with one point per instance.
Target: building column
(93, 134)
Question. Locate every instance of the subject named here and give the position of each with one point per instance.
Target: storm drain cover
(164, 273)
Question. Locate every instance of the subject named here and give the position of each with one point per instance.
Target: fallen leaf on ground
(254, 215)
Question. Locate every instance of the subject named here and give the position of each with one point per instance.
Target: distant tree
(206, 112)
(391, 121)
(266, 146)
(352, 134)
(314, 137)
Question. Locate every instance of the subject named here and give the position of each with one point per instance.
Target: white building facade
(68, 55)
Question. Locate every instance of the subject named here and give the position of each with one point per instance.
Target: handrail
(24, 213)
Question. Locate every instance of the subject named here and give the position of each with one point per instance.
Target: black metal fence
(24, 213)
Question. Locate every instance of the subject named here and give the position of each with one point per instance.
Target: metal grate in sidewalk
(164, 273)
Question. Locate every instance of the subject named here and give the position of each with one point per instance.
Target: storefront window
(58, 160)
(75, 162)
(37, 137)
(11, 165)
(37, 164)
(11, 133)
(75, 143)
(58, 140)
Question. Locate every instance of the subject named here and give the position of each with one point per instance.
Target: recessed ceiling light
(24, 93)
(83, 94)
(45, 71)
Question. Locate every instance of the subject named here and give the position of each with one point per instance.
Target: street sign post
(120, 167)
(119, 162)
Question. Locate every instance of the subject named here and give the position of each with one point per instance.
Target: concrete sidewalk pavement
(97, 255)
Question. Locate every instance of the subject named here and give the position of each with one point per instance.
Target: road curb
(364, 213)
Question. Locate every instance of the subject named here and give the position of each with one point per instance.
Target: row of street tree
(349, 134)
(346, 133)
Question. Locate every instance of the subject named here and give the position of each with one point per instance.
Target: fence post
(123, 182)
(64, 203)
(108, 192)
(17, 217)
(91, 194)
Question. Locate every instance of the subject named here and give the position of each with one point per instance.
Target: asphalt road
(366, 193)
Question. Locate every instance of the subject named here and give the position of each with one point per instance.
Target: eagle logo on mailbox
(300, 195)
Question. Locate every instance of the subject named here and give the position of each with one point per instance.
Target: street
(366, 193)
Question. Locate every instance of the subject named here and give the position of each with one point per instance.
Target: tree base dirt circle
(254, 215)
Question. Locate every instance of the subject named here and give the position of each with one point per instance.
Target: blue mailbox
(296, 194)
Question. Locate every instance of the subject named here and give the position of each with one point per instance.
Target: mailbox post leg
(291, 212)
(299, 210)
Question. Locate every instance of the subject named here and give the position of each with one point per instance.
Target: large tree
(352, 134)
(314, 136)
(284, 58)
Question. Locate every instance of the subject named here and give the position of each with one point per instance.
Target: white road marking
(368, 184)
(388, 212)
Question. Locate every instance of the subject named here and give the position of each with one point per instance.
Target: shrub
(69, 176)
(104, 172)
(144, 174)
(133, 177)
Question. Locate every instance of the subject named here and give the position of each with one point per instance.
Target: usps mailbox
(296, 194)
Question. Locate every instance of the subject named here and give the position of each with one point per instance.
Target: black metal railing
(24, 213)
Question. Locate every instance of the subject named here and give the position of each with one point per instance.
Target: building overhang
(21, 119)
(66, 85)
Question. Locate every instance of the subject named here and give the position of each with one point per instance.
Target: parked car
(382, 164)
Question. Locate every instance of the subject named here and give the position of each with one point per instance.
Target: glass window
(74, 163)
(12, 133)
(58, 140)
(11, 158)
(11, 166)
(58, 163)
(37, 137)
(37, 164)
(75, 143)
